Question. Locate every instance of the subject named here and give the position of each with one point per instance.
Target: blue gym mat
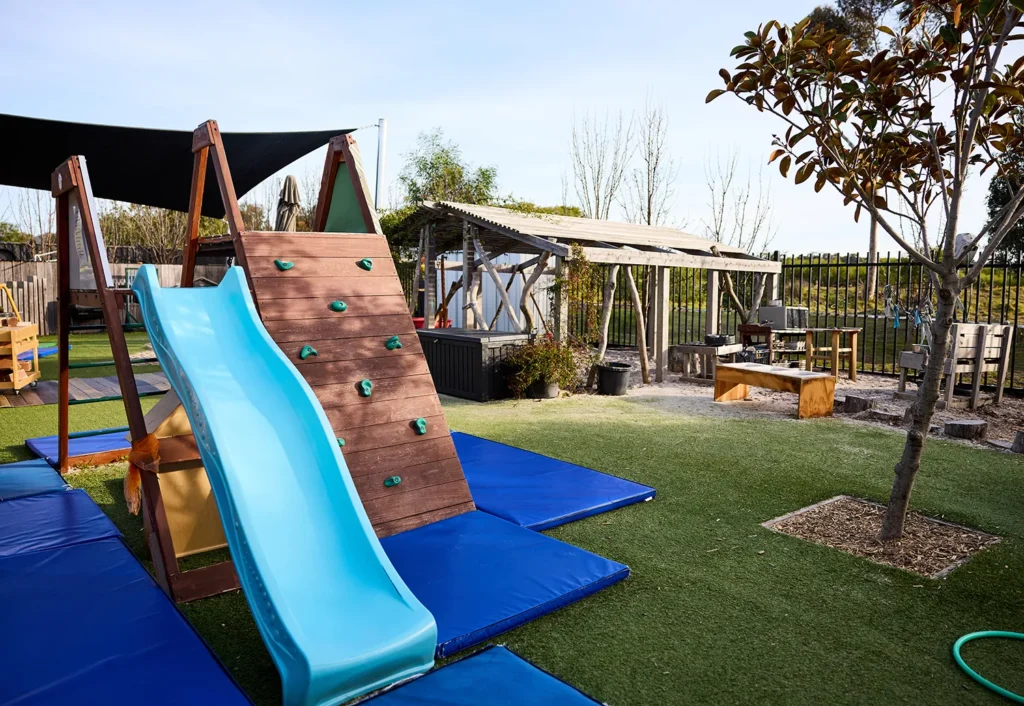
(44, 352)
(46, 446)
(49, 521)
(494, 676)
(86, 624)
(480, 575)
(539, 492)
(24, 478)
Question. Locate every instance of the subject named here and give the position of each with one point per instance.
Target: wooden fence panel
(35, 303)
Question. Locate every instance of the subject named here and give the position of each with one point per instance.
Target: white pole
(382, 142)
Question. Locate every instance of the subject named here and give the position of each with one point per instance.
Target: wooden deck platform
(45, 392)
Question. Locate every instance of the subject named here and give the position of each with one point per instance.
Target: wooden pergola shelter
(483, 233)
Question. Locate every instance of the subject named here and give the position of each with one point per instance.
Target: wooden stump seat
(816, 391)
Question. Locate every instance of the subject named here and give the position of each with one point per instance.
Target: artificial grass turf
(718, 609)
(93, 348)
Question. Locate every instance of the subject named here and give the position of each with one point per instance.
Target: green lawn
(718, 609)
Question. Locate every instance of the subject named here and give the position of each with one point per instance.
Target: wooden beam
(323, 202)
(63, 329)
(635, 257)
(528, 284)
(350, 155)
(195, 215)
(497, 284)
(641, 330)
(208, 135)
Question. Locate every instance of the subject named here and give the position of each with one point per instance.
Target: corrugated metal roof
(569, 228)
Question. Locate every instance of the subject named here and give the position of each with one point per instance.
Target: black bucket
(612, 378)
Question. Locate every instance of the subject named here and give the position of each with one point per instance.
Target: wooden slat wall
(379, 433)
(33, 299)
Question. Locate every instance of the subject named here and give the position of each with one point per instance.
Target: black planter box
(470, 364)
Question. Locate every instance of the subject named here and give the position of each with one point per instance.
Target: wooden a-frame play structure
(333, 302)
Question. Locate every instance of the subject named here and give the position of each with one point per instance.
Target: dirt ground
(1004, 421)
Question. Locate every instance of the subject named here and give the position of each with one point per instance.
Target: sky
(503, 81)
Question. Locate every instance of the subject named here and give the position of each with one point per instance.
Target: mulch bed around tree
(929, 547)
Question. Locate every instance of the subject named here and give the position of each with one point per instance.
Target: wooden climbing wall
(381, 438)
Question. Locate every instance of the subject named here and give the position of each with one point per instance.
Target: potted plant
(541, 368)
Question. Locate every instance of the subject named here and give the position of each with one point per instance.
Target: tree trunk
(924, 408)
(872, 257)
(606, 317)
(641, 328)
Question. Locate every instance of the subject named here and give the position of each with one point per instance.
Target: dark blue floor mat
(537, 491)
(480, 575)
(495, 677)
(86, 624)
(49, 521)
(24, 478)
(46, 446)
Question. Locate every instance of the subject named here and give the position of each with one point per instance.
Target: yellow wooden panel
(191, 511)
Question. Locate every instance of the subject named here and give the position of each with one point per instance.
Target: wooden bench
(974, 349)
(816, 391)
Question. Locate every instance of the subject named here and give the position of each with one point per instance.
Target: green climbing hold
(366, 263)
(365, 388)
(284, 264)
(392, 481)
(306, 352)
(341, 442)
(421, 426)
(393, 343)
(339, 306)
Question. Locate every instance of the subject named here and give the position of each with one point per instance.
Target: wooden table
(816, 391)
(834, 351)
(747, 333)
(709, 356)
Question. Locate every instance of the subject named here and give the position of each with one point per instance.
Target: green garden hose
(1017, 698)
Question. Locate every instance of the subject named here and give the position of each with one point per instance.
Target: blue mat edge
(649, 493)
(460, 660)
(577, 594)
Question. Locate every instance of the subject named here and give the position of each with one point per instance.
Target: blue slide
(335, 615)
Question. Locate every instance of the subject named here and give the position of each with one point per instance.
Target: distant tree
(649, 185)
(521, 206)
(435, 171)
(160, 230)
(1001, 191)
(254, 216)
(600, 151)
(830, 18)
(10, 233)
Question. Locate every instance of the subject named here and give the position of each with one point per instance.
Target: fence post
(560, 312)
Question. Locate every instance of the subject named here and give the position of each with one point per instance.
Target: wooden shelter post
(661, 322)
(63, 330)
(468, 285)
(429, 278)
(711, 323)
(560, 306)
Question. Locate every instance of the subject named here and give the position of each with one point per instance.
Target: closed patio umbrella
(288, 205)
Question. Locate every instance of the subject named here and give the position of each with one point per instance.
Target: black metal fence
(838, 290)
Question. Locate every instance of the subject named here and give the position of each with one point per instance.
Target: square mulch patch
(929, 547)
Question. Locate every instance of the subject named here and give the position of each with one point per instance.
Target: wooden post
(713, 300)
(416, 275)
(489, 266)
(561, 303)
(979, 364)
(771, 287)
(195, 215)
(63, 329)
(1004, 363)
(662, 305)
(527, 293)
(468, 286)
(428, 278)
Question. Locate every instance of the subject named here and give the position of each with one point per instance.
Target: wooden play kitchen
(17, 337)
(815, 391)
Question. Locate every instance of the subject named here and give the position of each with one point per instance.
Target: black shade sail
(143, 166)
